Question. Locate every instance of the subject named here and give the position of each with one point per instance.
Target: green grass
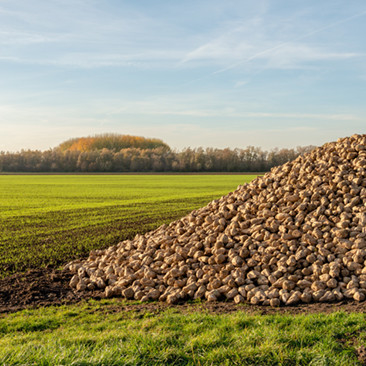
(89, 334)
(51, 219)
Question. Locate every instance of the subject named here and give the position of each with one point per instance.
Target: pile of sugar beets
(297, 234)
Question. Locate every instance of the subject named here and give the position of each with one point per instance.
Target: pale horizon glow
(193, 73)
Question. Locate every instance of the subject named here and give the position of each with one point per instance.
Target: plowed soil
(48, 286)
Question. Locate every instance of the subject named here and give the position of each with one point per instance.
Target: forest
(250, 159)
(123, 153)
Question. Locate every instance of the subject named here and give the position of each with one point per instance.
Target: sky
(211, 73)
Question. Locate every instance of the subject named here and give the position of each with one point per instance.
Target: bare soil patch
(38, 287)
(49, 286)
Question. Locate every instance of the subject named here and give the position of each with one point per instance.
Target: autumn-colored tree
(110, 141)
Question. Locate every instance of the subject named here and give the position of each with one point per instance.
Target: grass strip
(88, 334)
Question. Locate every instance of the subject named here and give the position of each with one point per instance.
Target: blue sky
(195, 73)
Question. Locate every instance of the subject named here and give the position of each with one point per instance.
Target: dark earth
(49, 286)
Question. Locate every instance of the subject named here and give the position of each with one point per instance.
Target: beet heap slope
(297, 234)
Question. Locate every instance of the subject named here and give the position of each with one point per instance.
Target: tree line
(159, 159)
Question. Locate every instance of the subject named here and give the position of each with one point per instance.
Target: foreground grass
(88, 334)
(48, 220)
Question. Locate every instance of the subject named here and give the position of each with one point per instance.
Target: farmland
(50, 219)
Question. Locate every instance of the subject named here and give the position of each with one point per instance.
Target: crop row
(51, 220)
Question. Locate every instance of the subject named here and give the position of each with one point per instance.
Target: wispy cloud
(259, 42)
(249, 115)
(83, 35)
(86, 60)
(12, 37)
(287, 55)
(164, 106)
(240, 83)
(175, 106)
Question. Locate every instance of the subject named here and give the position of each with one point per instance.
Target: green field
(50, 219)
(94, 333)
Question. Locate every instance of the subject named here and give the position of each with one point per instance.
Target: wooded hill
(121, 153)
(112, 142)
